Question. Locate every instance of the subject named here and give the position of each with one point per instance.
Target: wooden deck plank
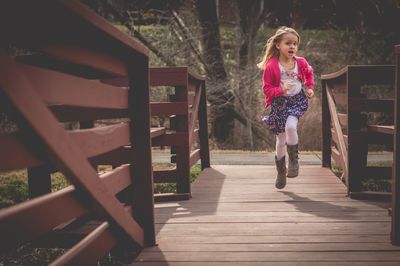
(174, 246)
(237, 217)
(266, 263)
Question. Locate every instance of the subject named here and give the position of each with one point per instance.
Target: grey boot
(293, 169)
(281, 177)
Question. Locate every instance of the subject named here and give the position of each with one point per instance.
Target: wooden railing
(71, 50)
(395, 210)
(347, 130)
(187, 131)
(345, 124)
(187, 111)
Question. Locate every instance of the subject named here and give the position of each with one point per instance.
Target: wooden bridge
(71, 66)
(237, 217)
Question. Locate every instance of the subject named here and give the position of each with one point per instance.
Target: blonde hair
(270, 46)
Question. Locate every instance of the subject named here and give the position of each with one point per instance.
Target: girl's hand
(310, 93)
(286, 87)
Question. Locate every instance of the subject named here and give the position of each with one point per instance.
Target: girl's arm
(308, 76)
(309, 80)
(270, 89)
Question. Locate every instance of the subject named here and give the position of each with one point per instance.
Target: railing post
(203, 128)
(326, 129)
(357, 145)
(181, 124)
(39, 181)
(141, 168)
(395, 234)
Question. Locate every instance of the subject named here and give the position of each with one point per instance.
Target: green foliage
(27, 255)
(377, 184)
(13, 188)
(58, 181)
(171, 187)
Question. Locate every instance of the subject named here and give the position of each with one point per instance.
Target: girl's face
(288, 45)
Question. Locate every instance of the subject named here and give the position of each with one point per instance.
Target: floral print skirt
(282, 107)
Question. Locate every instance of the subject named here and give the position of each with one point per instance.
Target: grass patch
(171, 187)
(378, 184)
(14, 186)
(28, 255)
(14, 189)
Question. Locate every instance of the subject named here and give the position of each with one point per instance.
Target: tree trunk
(220, 96)
(251, 16)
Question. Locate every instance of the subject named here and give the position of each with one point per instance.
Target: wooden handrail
(347, 82)
(183, 123)
(40, 93)
(395, 212)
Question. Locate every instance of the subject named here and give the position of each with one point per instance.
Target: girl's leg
(280, 146)
(291, 130)
(292, 140)
(280, 160)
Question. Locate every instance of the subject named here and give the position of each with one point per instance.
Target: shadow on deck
(237, 217)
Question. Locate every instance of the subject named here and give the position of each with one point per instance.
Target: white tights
(289, 137)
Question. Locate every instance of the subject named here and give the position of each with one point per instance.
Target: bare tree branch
(188, 37)
(166, 59)
(126, 20)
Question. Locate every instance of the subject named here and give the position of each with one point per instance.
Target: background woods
(225, 39)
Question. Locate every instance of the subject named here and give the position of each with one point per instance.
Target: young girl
(284, 79)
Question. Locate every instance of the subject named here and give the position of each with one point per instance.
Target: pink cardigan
(272, 77)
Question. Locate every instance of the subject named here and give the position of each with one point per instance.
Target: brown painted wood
(12, 220)
(371, 195)
(190, 94)
(58, 88)
(20, 157)
(381, 129)
(171, 138)
(91, 249)
(194, 114)
(171, 76)
(141, 169)
(203, 129)
(166, 197)
(39, 181)
(66, 154)
(157, 131)
(168, 108)
(326, 128)
(379, 172)
(342, 119)
(121, 155)
(83, 57)
(196, 137)
(194, 157)
(93, 49)
(341, 147)
(75, 69)
(75, 113)
(371, 105)
(31, 25)
(395, 234)
(337, 157)
(340, 97)
(372, 74)
(112, 138)
(182, 155)
(13, 229)
(279, 227)
(165, 176)
(100, 140)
